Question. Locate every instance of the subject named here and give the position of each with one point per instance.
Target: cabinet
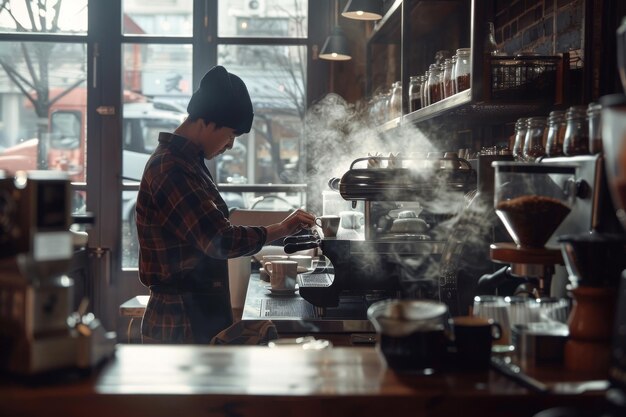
(420, 28)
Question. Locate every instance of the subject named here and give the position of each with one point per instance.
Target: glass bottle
(415, 93)
(425, 101)
(533, 142)
(434, 84)
(463, 69)
(395, 101)
(448, 90)
(576, 140)
(556, 133)
(520, 137)
(594, 111)
(490, 46)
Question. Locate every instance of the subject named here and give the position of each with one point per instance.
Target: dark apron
(208, 308)
(208, 305)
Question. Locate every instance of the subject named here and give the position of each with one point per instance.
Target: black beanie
(222, 98)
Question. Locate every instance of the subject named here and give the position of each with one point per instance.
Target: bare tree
(28, 64)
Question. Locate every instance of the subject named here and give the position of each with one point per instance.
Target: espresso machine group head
(38, 331)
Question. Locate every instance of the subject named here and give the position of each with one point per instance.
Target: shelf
(389, 125)
(460, 106)
(427, 26)
(446, 105)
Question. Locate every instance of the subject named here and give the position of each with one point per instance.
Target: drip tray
(285, 307)
(300, 308)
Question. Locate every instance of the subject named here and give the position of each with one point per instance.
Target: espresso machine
(39, 332)
(407, 203)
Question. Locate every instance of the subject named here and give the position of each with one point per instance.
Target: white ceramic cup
(282, 274)
(328, 224)
(304, 261)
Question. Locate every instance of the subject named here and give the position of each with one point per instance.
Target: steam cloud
(339, 132)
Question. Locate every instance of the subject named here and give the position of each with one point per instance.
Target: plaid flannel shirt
(182, 220)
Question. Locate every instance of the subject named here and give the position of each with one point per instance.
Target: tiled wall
(542, 26)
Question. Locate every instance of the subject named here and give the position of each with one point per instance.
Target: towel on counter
(247, 332)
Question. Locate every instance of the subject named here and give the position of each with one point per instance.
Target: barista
(185, 237)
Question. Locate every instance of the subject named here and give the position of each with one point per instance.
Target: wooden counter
(192, 381)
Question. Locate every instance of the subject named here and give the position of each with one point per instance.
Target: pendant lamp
(363, 10)
(336, 46)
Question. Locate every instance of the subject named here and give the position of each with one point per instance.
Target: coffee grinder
(38, 331)
(531, 200)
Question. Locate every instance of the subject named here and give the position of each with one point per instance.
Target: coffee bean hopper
(532, 200)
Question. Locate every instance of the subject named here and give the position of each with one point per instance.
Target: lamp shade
(336, 47)
(363, 10)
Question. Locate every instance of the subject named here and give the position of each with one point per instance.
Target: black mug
(473, 337)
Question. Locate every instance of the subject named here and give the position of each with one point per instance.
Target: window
(161, 17)
(44, 100)
(275, 74)
(71, 17)
(158, 73)
(263, 18)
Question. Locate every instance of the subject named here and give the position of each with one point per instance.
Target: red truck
(63, 147)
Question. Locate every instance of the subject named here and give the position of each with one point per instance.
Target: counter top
(192, 381)
(293, 314)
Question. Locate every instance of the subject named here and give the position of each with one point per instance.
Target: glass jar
(448, 90)
(594, 111)
(463, 69)
(533, 142)
(556, 133)
(434, 84)
(576, 140)
(520, 137)
(384, 106)
(453, 76)
(415, 93)
(425, 101)
(395, 101)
